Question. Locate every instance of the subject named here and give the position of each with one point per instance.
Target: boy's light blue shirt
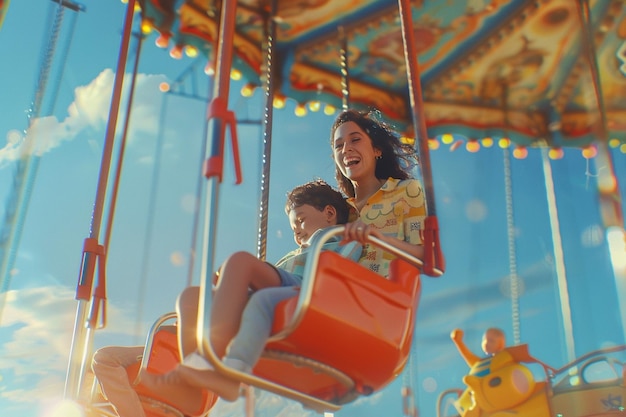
(294, 261)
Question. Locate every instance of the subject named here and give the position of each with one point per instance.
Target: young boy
(493, 341)
(310, 208)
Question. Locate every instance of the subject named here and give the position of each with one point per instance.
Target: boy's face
(493, 342)
(306, 219)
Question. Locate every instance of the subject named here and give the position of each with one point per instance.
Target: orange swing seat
(163, 357)
(160, 355)
(353, 335)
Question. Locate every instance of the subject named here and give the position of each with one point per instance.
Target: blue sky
(38, 316)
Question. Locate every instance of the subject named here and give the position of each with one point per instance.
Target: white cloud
(35, 339)
(41, 317)
(89, 111)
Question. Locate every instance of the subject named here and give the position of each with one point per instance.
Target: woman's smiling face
(354, 152)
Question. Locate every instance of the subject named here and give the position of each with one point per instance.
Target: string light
(235, 74)
(191, 51)
(589, 152)
(146, 27)
(520, 152)
(164, 87)
(315, 105)
(329, 110)
(447, 138)
(433, 144)
(472, 146)
(614, 143)
(162, 40)
(247, 90)
(279, 101)
(487, 142)
(556, 153)
(504, 143)
(300, 110)
(177, 52)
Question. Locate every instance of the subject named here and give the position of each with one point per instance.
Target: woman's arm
(359, 231)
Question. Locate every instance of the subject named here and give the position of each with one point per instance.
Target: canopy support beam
(434, 263)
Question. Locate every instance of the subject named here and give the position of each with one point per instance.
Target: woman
(372, 167)
(373, 170)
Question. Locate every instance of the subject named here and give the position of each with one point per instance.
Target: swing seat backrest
(351, 337)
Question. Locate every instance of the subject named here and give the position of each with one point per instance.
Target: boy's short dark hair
(318, 194)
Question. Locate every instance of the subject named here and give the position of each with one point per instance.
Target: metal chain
(510, 227)
(26, 168)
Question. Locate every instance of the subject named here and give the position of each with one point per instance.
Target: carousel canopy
(542, 73)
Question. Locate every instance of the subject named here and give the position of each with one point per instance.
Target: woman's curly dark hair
(397, 158)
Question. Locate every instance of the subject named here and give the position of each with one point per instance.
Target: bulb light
(279, 101)
(162, 40)
(589, 152)
(520, 152)
(556, 153)
(247, 90)
(300, 110)
(235, 74)
(472, 146)
(191, 51)
(146, 27)
(177, 52)
(314, 105)
(504, 143)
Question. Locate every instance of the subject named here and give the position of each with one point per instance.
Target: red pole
(434, 263)
(81, 337)
(417, 105)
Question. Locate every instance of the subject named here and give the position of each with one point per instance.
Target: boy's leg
(240, 273)
(187, 310)
(243, 353)
(256, 325)
(109, 366)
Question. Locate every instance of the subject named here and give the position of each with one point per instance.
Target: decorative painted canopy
(519, 69)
